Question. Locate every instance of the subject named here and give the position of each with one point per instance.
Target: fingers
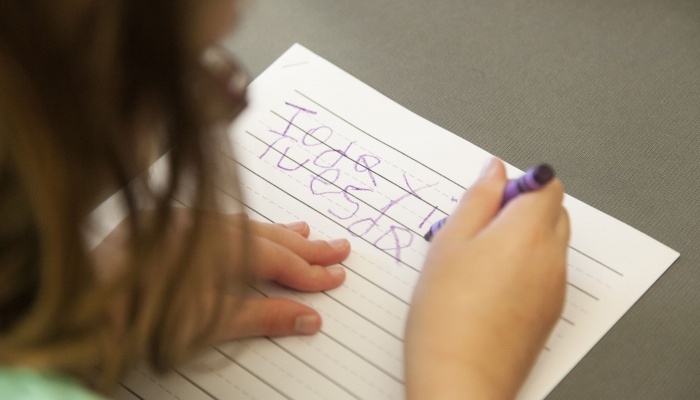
(562, 227)
(272, 317)
(543, 205)
(293, 237)
(278, 263)
(285, 255)
(480, 204)
(540, 216)
(302, 228)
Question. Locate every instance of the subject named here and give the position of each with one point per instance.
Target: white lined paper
(355, 164)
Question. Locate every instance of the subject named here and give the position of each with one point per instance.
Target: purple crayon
(535, 178)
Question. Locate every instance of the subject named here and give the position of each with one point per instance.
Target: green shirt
(24, 384)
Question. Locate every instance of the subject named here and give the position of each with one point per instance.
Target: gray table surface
(608, 91)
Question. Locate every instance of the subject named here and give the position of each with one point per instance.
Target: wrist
(483, 367)
(452, 381)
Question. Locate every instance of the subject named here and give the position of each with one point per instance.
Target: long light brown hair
(90, 91)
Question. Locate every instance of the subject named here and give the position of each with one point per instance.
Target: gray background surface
(608, 91)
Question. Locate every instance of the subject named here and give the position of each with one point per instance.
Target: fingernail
(336, 271)
(489, 167)
(307, 324)
(297, 226)
(339, 243)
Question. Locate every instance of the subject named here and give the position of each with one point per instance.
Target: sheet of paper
(318, 145)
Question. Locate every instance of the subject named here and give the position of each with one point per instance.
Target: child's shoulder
(24, 384)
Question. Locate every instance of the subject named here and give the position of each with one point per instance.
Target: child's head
(91, 92)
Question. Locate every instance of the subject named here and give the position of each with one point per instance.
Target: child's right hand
(490, 292)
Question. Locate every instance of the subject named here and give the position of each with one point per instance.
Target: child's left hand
(279, 253)
(283, 254)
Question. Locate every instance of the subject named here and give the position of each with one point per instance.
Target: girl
(91, 92)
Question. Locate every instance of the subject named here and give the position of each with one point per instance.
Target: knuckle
(273, 319)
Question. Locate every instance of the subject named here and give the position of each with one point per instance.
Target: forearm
(473, 358)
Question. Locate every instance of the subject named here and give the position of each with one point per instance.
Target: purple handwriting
(301, 150)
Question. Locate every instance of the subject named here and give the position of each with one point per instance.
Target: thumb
(480, 203)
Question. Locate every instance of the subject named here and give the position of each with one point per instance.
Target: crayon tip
(543, 173)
